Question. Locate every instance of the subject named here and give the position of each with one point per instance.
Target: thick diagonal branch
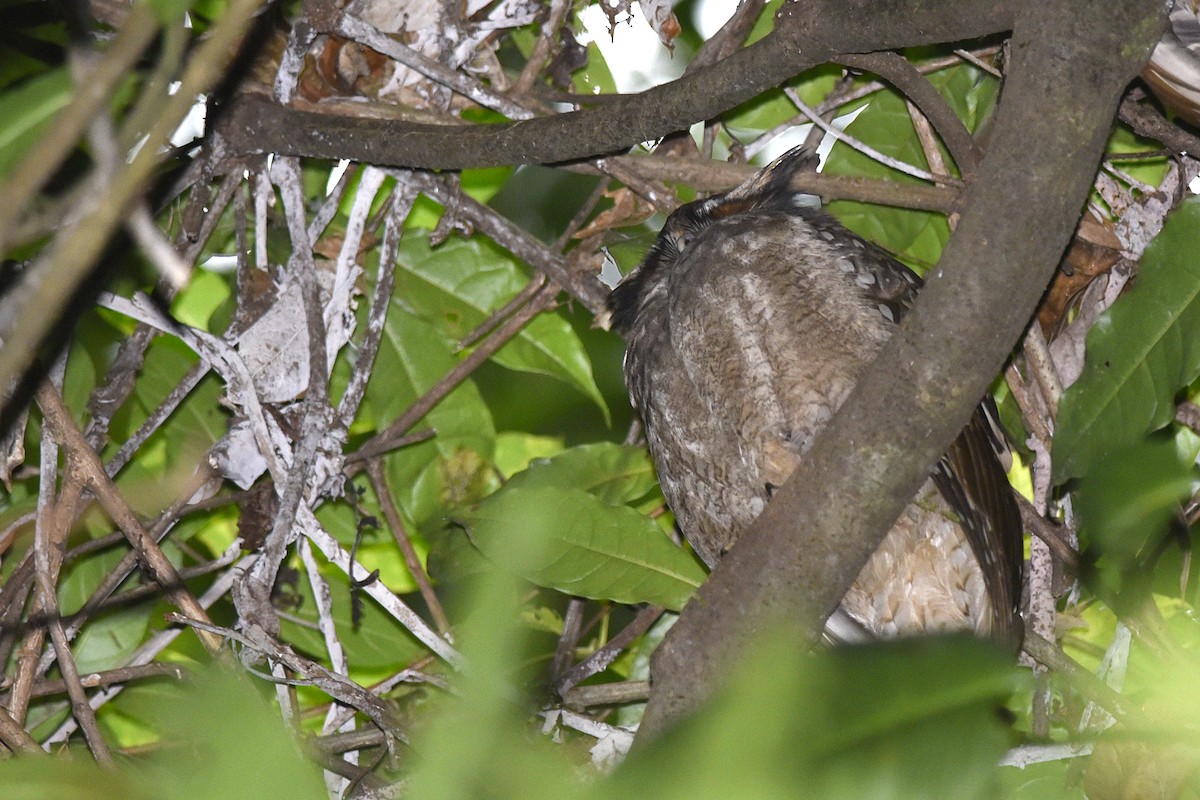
(1067, 75)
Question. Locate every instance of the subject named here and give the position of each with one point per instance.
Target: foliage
(1141, 354)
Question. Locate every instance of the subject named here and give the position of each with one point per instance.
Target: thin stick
(153, 561)
(383, 493)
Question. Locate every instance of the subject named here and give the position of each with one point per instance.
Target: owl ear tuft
(773, 179)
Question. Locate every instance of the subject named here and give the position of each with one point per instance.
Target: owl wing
(768, 344)
(969, 476)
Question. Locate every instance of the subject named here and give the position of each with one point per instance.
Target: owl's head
(766, 190)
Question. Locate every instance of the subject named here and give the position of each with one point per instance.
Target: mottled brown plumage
(748, 322)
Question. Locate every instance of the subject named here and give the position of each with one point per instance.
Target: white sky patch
(335, 175)
(789, 139)
(635, 56)
(192, 126)
(1194, 186)
(220, 263)
(709, 15)
(610, 273)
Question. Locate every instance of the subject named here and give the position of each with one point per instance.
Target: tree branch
(797, 560)
(803, 38)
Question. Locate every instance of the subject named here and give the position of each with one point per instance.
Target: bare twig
(587, 289)
(598, 661)
(545, 46)
(1049, 533)
(898, 71)
(607, 694)
(156, 564)
(336, 686)
(153, 646)
(364, 32)
(87, 100)
(390, 603)
(564, 653)
(1041, 366)
(14, 737)
(863, 147)
(383, 493)
(386, 440)
(1046, 652)
(402, 200)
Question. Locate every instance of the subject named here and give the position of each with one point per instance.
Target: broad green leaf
(902, 719)
(230, 744)
(204, 294)
(917, 237)
(765, 22)
(1127, 501)
(452, 558)
(595, 77)
(1051, 780)
(27, 110)
(476, 741)
(568, 539)
(109, 639)
(412, 357)
(969, 91)
(772, 108)
(209, 723)
(169, 457)
(457, 285)
(168, 11)
(1140, 353)
(376, 546)
(1146, 170)
(515, 449)
(616, 474)
(67, 779)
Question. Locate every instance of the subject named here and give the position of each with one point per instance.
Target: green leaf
(223, 741)
(457, 285)
(412, 357)
(1128, 499)
(917, 237)
(109, 639)
(568, 539)
(899, 719)
(772, 107)
(65, 779)
(1051, 780)
(515, 449)
(970, 91)
(168, 11)
(204, 295)
(616, 474)
(168, 459)
(27, 111)
(231, 744)
(1140, 353)
(476, 742)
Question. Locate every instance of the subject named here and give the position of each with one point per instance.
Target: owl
(748, 323)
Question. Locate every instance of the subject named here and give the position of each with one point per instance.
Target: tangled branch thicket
(309, 412)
